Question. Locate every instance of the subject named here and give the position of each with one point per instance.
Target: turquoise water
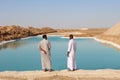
(23, 55)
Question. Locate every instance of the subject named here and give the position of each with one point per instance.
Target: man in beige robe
(44, 47)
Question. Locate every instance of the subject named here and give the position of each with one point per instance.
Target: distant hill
(112, 34)
(16, 32)
(114, 31)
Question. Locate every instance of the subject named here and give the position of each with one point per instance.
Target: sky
(60, 13)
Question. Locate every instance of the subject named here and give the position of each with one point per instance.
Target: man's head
(44, 36)
(71, 36)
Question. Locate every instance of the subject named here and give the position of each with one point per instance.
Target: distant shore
(11, 33)
(65, 34)
(79, 35)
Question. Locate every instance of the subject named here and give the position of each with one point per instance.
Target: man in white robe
(44, 47)
(71, 54)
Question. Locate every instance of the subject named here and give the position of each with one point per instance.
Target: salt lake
(23, 54)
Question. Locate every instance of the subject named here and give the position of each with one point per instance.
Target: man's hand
(45, 52)
(68, 54)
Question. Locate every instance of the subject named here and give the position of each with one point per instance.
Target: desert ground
(107, 74)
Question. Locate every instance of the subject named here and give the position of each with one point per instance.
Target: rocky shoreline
(17, 32)
(11, 33)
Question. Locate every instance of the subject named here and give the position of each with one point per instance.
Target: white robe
(45, 58)
(71, 64)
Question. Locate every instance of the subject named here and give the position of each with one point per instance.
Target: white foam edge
(4, 42)
(108, 42)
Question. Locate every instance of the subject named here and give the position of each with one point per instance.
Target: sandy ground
(65, 33)
(107, 74)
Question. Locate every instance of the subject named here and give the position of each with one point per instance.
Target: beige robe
(45, 58)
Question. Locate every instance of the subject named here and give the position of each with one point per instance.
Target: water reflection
(13, 45)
